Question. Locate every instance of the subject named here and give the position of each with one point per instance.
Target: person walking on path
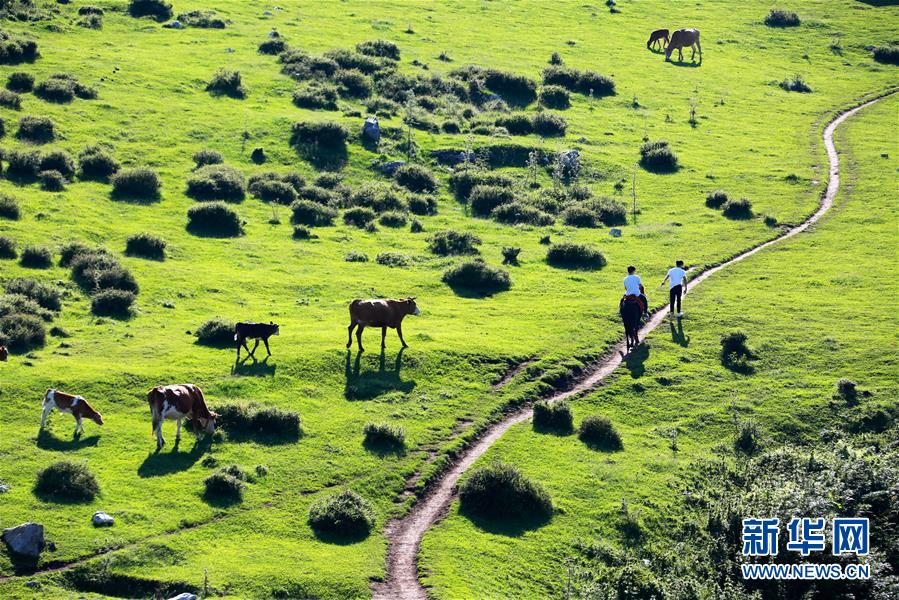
(677, 278)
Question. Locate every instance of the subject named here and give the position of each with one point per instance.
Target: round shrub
(217, 182)
(272, 190)
(516, 124)
(272, 46)
(251, 419)
(112, 302)
(453, 243)
(598, 432)
(477, 276)
(56, 89)
(36, 257)
(223, 486)
(52, 181)
(208, 157)
(7, 248)
(392, 259)
(484, 198)
(377, 197)
(519, 213)
(60, 161)
(779, 17)
(315, 95)
(94, 162)
(9, 208)
(847, 390)
(158, 9)
(15, 49)
(797, 84)
(22, 332)
(887, 54)
(22, 164)
(353, 84)
(217, 332)
(570, 255)
(500, 491)
(416, 178)
(10, 100)
(379, 48)
(20, 82)
(45, 295)
(214, 218)
(393, 219)
(737, 209)
(582, 82)
(605, 210)
(554, 96)
(748, 439)
(547, 124)
(716, 199)
(383, 435)
(323, 134)
(319, 196)
(112, 276)
(658, 157)
(12, 304)
(145, 245)
(344, 514)
(36, 129)
(553, 416)
(578, 215)
(359, 216)
(328, 181)
(463, 181)
(312, 214)
(136, 184)
(227, 82)
(356, 256)
(69, 252)
(420, 204)
(67, 481)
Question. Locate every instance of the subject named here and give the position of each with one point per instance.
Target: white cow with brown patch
(178, 402)
(76, 406)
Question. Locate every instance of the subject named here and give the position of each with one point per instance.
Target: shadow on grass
(48, 441)
(507, 526)
(324, 158)
(685, 63)
(677, 334)
(558, 431)
(266, 439)
(221, 500)
(384, 449)
(257, 368)
(130, 198)
(365, 385)
(339, 539)
(636, 359)
(161, 463)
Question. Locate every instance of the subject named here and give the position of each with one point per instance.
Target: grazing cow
(254, 331)
(4, 354)
(656, 38)
(682, 38)
(379, 313)
(178, 402)
(72, 405)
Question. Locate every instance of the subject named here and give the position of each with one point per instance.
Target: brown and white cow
(379, 313)
(4, 354)
(178, 402)
(72, 405)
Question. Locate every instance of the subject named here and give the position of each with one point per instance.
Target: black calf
(254, 331)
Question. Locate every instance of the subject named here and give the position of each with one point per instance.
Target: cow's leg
(265, 341)
(383, 337)
(359, 336)
(399, 332)
(47, 408)
(698, 45)
(349, 337)
(79, 427)
(178, 432)
(157, 427)
(239, 342)
(253, 351)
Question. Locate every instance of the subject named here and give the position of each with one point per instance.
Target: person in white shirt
(677, 279)
(633, 286)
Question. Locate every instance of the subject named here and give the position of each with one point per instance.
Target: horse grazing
(657, 38)
(631, 311)
(681, 39)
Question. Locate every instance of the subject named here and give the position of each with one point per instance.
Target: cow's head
(207, 424)
(410, 307)
(97, 418)
(276, 329)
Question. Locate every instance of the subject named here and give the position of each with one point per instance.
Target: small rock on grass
(101, 519)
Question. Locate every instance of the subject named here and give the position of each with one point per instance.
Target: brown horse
(659, 37)
(681, 39)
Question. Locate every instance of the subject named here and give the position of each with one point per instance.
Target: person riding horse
(634, 290)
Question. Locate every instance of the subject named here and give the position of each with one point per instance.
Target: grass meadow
(811, 321)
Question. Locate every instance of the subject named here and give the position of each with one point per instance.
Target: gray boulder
(101, 519)
(371, 130)
(174, 25)
(451, 156)
(25, 540)
(184, 596)
(389, 168)
(615, 232)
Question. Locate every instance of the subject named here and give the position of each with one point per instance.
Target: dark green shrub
(52, 181)
(556, 59)
(138, 184)
(72, 250)
(302, 233)
(582, 82)
(323, 134)
(115, 277)
(463, 181)
(658, 157)
(416, 178)
(846, 389)
(208, 157)
(223, 486)
(516, 123)
(56, 89)
(393, 219)
(112, 302)
(14, 49)
(383, 435)
(598, 432)
(355, 256)
(36, 257)
(416, 226)
(203, 19)
(85, 92)
(7, 248)
(887, 54)
(319, 196)
(90, 10)
(547, 124)
(316, 95)
(345, 514)
(217, 332)
(380, 48)
(578, 215)
(420, 204)
(748, 439)
(608, 211)
(273, 190)
(477, 276)
(217, 182)
(779, 17)
(500, 491)
(554, 96)
(716, 199)
(60, 161)
(735, 354)
(273, 46)
(519, 213)
(484, 198)
(10, 100)
(510, 255)
(214, 218)
(91, 22)
(13, 304)
(377, 197)
(20, 82)
(45, 295)
(9, 208)
(22, 164)
(227, 82)
(737, 209)
(353, 84)
(453, 243)
(347, 59)
(553, 416)
(22, 332)
(36, 129)
(359, 216)
(569, 255)
(312, 214)
(450, 126)
(392, 259)
(797, 84)
(67, 481)
(145, 245)
(158, 9)
(94, 162)
(252, 419)
(328, 181)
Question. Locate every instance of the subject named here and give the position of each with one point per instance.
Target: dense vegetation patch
(716, 199)
(112, 302)
(582, 82)
(554, 96)
(658, 157)
(383, 436)
(416, 178)
(379, 48)
(216, 332)
(887, 54)
(485, 198)
(95, 162)
(9, 208)
(145, 245)
(250, 419)
(36, 257)
(208, 157)
(10, 100)
(477, 276)
(359, 216)
(217, 182)
(44, 294)
(779, 17)
(36, 129)
(214, 218)
(136, 184)
(316, 95)
(204, 19)
(453, 243)
(463, 181)
(737, 209)
(598, 432)
(67, 482)
(20, 82)
(547, 124)
(7, 248)
(227, 82)
(225, 485)
(571, 255)
(59, 161)
(51, 181)
(22, 332)
(393, 219)
(158, 9)
(500, 491)
(553, 416)
(345, 514)
(392, 259)
(796, 84)
(519, 213)
(313, 214)
(735, 354)
(15, 49)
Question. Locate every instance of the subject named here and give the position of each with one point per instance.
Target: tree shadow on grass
(160, 463)
(636, 359)
(365, 385)
(507, 526)
(48, 441)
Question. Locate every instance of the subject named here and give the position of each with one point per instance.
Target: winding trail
(404, 535)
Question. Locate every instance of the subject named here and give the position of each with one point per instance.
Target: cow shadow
(159, 463)
(365, 385)
(48, 441)
(634, 362)
(677, 334)
(257, 368)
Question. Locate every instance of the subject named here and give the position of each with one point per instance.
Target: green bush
(22, 164)
(453, 243)
(36, 257)
(359, 216)
(7, 248)
(344, 514)
(377, 197)
(477, 276)
(737, 209)
(416, 178)
(797, 84)
(22, 332)
(91, 21)
(324, 134)
(657, 157)
(217, 182)
(203, 19)
(355, 256)
(217, 332)
(379, 48)
(36, 129)
(570, 255)
(500, 491)
(516, 123)
(60, 161)
(56, 89)
(353, 84)
(223, 486)
(319, 196)
(779, 17)
(347, 59)
(519, 213)
(716, 199)
(9, 208)
(95, 162)
(67, 481)
(273, 190)
(312, 214)
(554, 96)
(847, 390)
(392, 259)
(214, 218)
(136, 184)
(582, 82)
(158, 9)
(553, 416)
(44, 294)
(208, 157)
(272, 46)
(316, 95)
(421, 204)
(328, 181)
(393, 219)
(887, 54)
(547, 124)
(748, 439)
(72, 250)
(52, 181)
(735, 354)
(112, 302)
(598, 432)
(10, 100)
(17, 304)
(462, 182)
(20, 82)
(227, 82)
(252, 419)
(383, 435)
(145, 245)
(15, 49)
(484, 198)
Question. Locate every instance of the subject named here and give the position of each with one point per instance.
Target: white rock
(101, 519)
(25, 540)
(184, 596)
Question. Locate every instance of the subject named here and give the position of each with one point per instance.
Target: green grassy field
(152, 108)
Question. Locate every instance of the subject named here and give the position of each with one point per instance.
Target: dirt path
(404, 536)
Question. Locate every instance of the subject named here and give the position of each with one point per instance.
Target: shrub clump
(59, 161)
(392, 259)
(36, 257)
(224, 486)
(582, 82)
(137, 184)
(145, 245)
(779, 17)
(393, 219)
(658, 157)
(217, 182)
(20, 82)
(477, 276)
(36, 129)
(7, 248)
(316, 95)
(887, 54)
(353, 84)
(45, 295)
(453, 243)
(484, 198)
(208, 157)
(217, 332)
(323, 134)
(227, 82)
(716, 199)
(9, 208)
(593, 212)
(420, 204)
(797, 84)
(355, 256)
(252, 419)
(67, 481)
(312, 214)
(158, 9)
(204, 19)
(555, 416)
(500, 491)
(344, 514)
(22, 164)
(462, 182)
(748, 439)
(554, 96)
(570, 255)
(112, 302)
(547, 124)
(52, 181)
(214, 218)
(735, 354)
(847, 390)
(737, 209)
(598, 432)
(274, 190)
(379, 48)
(22, 332)
(416, 178)
(516, 123)
(359, 216)
(275, 45)
(10, 100)
(94, 162)
(14, 49)
(383, 435)
(519, 213)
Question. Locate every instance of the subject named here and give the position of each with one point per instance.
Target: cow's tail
(154, 411)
